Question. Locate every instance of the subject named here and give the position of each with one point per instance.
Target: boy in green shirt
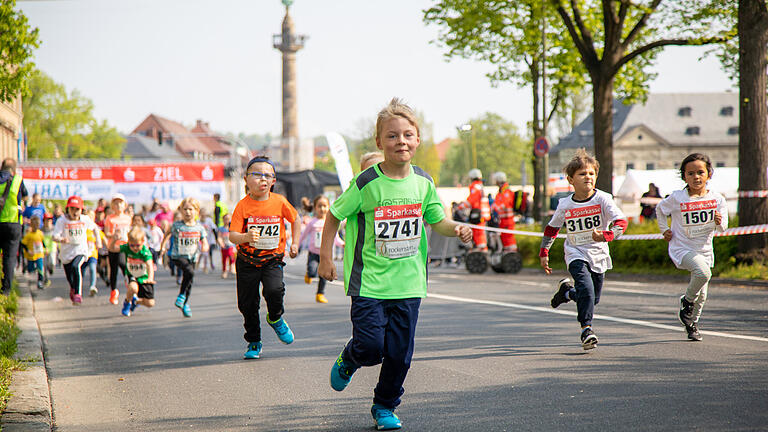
(385, 246)
(136, 259)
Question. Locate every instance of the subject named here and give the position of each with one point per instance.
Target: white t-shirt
(693, 223)
(580, 218)
(75, 233)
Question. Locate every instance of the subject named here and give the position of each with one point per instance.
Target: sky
(213, 60)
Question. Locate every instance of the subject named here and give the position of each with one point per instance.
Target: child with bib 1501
(696, 214)
(591, 220)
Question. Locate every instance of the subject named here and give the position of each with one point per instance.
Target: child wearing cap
(116, 228)
(70, 230)
(258, 231)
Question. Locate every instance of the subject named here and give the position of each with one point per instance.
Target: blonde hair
(580, 160)
(191, 201)
(396, 108)
(369, 159)
(136, 234)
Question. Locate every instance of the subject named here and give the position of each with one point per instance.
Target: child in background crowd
(50, 248)
(206, 260)
(227, 248)
(91, 261)
(696, 214)
(314, 233)
(258, 230)
(187, 235)
(385, 261)
(34, 250)
(155, 240)
(71, 231)
(139, 270)
(592, 219)
(116, 228)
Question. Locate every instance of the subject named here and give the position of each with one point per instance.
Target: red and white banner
(139, 183)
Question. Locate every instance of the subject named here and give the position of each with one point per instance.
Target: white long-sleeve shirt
(75, 231)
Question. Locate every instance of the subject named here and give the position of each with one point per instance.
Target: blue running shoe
(133, 303)
(186, 310)
(254, 350)
(282, 330)
(180, 300)
(341, 372)
(126, 308)
(385, 418)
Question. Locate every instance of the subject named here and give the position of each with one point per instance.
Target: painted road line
(607, 287)
(597, 316)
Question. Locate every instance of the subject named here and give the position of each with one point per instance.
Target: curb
(29, 408)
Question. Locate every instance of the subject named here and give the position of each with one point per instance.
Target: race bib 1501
(269, 231)
(398, 230)
(698, 217)
(579, 223)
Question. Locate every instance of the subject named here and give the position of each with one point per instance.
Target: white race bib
(75, 232)
(398, 230)
(269, 231)
(187, 242)
(698, 217)
(136, 267)
(318, 239)
(579, 223)
(38, 248)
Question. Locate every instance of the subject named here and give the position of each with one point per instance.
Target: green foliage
(8, 334)
(17, 41)
(498, 146)
(62, 126)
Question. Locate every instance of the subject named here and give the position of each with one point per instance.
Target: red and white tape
(753, 194)
(752, 229)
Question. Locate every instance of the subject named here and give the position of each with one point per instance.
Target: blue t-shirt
(38, 210)
(185, 240)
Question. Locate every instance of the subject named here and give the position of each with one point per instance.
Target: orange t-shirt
(120, 225)
(266, 216)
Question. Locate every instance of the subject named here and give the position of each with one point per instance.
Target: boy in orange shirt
(258, 231)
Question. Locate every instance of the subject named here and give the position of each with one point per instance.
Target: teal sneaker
(282, 330)
(186, 310)
(385, 418)
(134, 303)
(341, 372)
(180, 300)
(126, 308)
(254, 351)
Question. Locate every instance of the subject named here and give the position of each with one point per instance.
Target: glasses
(133, 245)
(267, 176)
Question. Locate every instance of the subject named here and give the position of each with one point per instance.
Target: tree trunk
(602, 123)
(753, 138)
(539, 177)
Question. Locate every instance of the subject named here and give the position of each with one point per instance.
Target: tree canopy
(62, 125)
(17, 41)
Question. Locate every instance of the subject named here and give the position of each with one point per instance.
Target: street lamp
(468, 127)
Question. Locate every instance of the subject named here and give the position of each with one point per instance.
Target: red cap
(75, 201)
(48, 216)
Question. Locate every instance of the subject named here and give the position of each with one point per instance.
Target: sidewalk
(29, 408)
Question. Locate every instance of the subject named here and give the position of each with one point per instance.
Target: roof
(182, 137)
(443, 146)
(661, 114)
(143, 147)
(213, 141)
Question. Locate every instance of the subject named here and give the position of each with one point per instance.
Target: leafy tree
(498, 145)
(612, 34)
(61, 125)
(17, 40)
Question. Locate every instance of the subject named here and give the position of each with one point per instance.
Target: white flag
(341, 156)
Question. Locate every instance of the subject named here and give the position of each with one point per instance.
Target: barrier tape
(753, 194)
(745, 230)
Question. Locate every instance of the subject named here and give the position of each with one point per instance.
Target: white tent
(724, 180)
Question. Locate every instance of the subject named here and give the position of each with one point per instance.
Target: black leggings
(187, 269)
(74, 272)
(114, 267)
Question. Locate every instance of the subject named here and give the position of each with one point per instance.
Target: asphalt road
(491, 355)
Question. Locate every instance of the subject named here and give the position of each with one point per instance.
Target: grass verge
(9, 306)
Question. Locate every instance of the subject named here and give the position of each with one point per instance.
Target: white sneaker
(93, 291)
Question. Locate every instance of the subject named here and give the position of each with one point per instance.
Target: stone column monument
(289, 43)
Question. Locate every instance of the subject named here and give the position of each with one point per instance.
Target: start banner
(140, 183)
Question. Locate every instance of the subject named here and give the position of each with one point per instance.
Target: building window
(719, 164)
(684, 111)
(630, 166)
(650, 166)
(726, 111)
(639, 137)
(692, 130)
(733, 130)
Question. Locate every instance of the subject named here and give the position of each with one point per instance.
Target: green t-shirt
(137, 264)
(385, 256)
